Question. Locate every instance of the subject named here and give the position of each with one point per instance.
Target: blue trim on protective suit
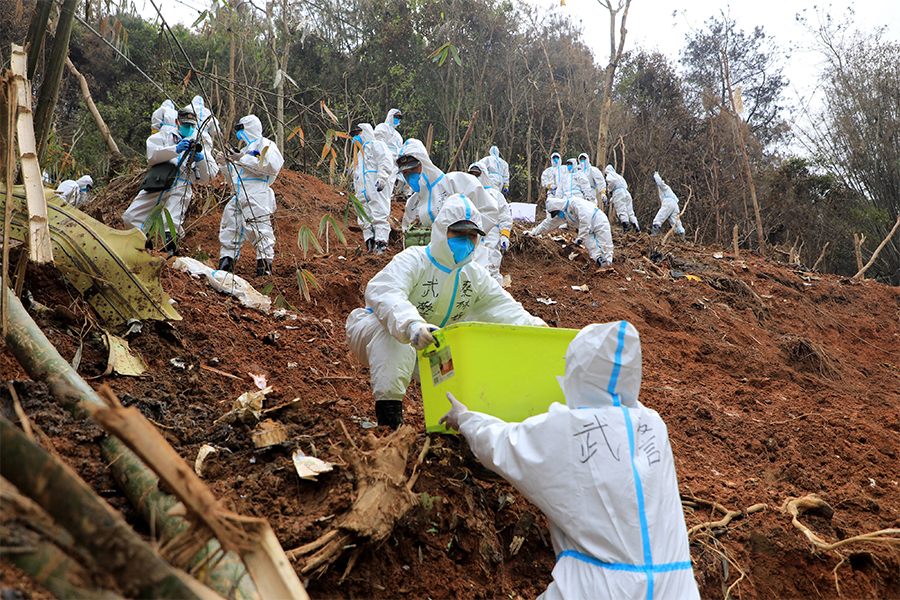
(452, 298)
(435, 262)
(430, 186)
(664, 568)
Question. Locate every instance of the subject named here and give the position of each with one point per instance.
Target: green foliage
(305, 239)
(428, 501)
(328, 223)
(159, 218)
(306, 282)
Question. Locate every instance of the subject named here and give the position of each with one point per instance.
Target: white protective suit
(207, 123)
(601, 470)
(164, 116)
(374, 163)
(249, 213)
(669, 209)
(593, 226)
(620, 196)
(572, 182)
(497, 239)
(176, 199)
(497, 170)
(68, 191)
(425, 284)
(387, 133)
(436, 186)
(595, 179)
(552, 175)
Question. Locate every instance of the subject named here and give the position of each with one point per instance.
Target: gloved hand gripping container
(508, 371)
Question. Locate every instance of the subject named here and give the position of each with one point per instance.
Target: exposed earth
(775, 382)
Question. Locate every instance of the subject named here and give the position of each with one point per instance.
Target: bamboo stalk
(42, 362)
(101, 124)
(136, 567)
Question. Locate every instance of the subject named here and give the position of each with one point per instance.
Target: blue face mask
(396, 121)
(461, 246)
(358, 139)
(570, 166)
(186, 130)
(555, 160)
(413, 180)
(242, 135)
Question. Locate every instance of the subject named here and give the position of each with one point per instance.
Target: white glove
(578, 243)
(504, 243)
(235, 156)
(220, 159)
(552, 187)
(451, 419)
(420, 335)
(379, 185)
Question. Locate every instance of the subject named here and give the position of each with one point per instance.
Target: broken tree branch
(101, 124)
(821, 256)
(862, 271)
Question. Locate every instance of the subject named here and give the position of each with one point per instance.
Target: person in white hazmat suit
(497, 170)
(619, 195)
(552, 175)
(184, 148)
(431, 187)
(601, 470)
(387, 133)
(669, 209)
(422, 289)
(372, 172)
(497, 239)
(591, 222)
(572, 182)
(164, 116)
(595, 179)
(76, 192)
(208, 123)
(253, 169)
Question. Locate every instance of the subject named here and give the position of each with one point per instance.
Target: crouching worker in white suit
(601, 470)
(253, 169)
(422, 289)
(591, 222)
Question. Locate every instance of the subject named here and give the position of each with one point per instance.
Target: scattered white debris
(259, 380)
(310, 467)
(573, 256)
(178, 363)
(718, 255)
(546, 301)
(581, 288)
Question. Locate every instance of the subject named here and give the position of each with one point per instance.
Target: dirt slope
(774, 383)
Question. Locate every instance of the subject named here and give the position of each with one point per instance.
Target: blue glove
(504, 243)
(199, 157)
(379, 185)
(183, 145)
(253, 153)
(505, 190)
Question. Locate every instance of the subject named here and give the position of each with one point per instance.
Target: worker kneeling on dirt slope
(601, 470)
(422, 289)
(253, 170)
(592, 224)
(432, 187)
(177, 158)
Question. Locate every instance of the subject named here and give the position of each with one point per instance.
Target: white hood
(456, 208)
(84, 181)
(603, 366)
(415, 148)
(389, 119)
(367, 134)
(164, 116)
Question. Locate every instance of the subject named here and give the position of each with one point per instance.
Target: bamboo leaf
(328, 220)
(359, 207)
(200, 19)
(305, 239)
(299, 132)
(455, 55)
(171, 223)
(328, 111)
(268, 288)
(302, 286)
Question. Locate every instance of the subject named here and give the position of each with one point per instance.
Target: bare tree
(615, 54)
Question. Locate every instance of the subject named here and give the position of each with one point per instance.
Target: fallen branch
(671, 229)
(821, 256)
(730, 515)
(884, 242)
(86, 92)
(135, 566)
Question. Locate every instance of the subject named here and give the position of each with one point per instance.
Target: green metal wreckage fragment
(107, 266)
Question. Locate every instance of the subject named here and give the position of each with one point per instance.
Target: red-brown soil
(775, 382)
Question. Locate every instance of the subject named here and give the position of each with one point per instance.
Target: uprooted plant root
(810, 356)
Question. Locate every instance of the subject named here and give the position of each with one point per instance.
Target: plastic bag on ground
(226, 282)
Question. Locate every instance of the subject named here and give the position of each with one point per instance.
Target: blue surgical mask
(461, 246)
(358, 139)
(570, 166)
(396, 121)
(186, 130)
(555, 160)
(242, 135)
(413, 180)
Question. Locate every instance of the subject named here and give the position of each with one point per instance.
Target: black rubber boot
(655, 229)
(380, 247)
(370, 244)
(171, 247)
(226, 263)
(263, 267)
(389, 413)
(626, 227)
(637, 229)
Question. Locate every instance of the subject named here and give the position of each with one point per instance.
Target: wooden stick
(858, 241)
(86, 92)
(821, 256)
(862, 271)
(205, 368)
(465, 139)
(734, 240)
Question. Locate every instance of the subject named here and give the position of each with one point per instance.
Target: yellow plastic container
(508, 371)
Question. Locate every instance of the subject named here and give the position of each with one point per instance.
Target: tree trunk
(37, 30)
(862, 271)
(609, 76)
(53, 76)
